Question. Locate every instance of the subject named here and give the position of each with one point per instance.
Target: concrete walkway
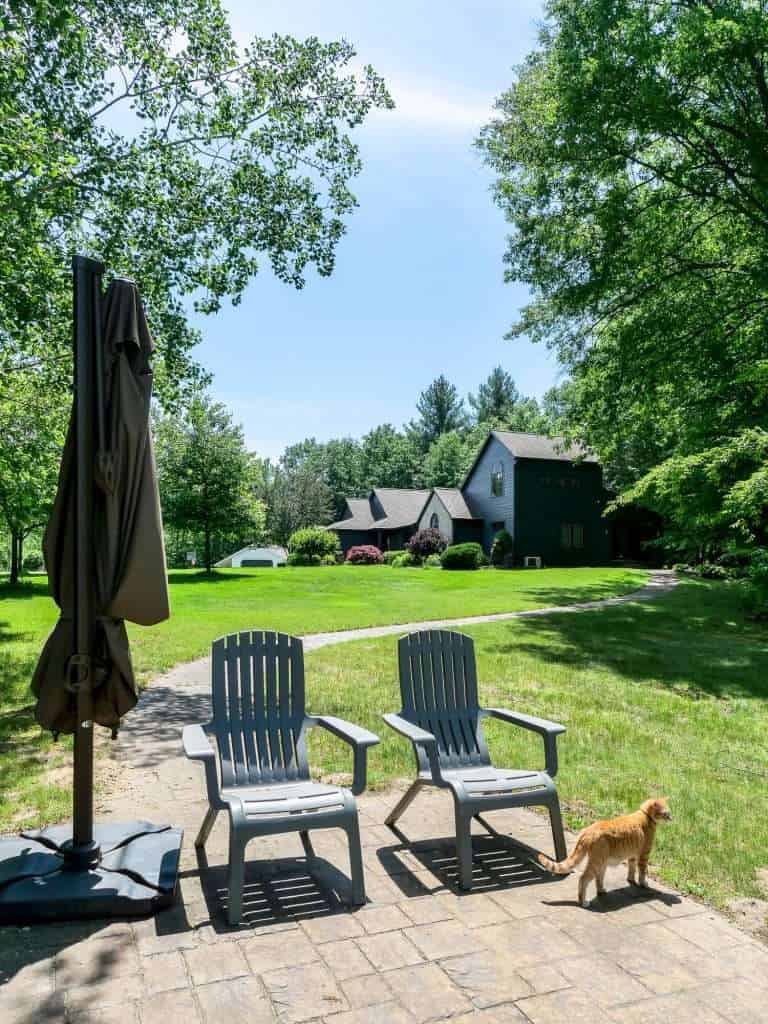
(517, 949)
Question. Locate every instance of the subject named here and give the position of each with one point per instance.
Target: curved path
(151, 732)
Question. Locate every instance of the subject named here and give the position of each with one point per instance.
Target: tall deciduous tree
(145, 135)
(208, 479)
(32, 428)
(447, 461)
(388, 458)
(440, 409)
(631, 162)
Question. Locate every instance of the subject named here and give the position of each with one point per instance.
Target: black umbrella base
(130, 871)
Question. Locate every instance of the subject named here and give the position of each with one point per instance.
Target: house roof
(454, 502)
(401, 508)
(537, 446)
(532, 446)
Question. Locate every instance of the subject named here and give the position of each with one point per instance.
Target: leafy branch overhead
(142, 133)
(631, 154)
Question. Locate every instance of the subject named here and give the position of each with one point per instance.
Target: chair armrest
(420, 738)
(198, 747)
(357, 737)
(549, 731)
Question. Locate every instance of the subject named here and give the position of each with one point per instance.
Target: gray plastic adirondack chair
(443, 719)
(260, 725)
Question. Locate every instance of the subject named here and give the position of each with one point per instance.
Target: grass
(660, 698)
(34, 791)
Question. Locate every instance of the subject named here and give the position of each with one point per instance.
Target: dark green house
(550, 498)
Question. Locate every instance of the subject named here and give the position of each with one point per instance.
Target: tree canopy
(143, 134)
(631, 164)
(208, 480)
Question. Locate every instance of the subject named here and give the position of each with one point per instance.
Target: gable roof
(453, 502)
(401, 508)
(532, 446)
(537, 446)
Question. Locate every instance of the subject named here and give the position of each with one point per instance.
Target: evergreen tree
(440, 409)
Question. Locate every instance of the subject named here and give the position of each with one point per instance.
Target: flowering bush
(425, 543)
(365, 554)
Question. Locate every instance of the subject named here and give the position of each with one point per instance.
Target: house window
(572, 535)
(434, 521)
(497, 479)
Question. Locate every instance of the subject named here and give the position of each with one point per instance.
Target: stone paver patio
(518, 948)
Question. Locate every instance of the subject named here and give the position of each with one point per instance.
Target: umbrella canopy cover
(129, 581)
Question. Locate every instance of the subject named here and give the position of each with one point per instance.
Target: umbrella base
(131, 870)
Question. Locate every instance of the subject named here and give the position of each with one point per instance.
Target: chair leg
(205, 828)
(306, 842)
(403, 803)
(558, 836)
(356, 863)
(464, 850)
(236, 878)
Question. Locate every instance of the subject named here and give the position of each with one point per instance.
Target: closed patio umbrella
(128, 579)
(106, 564)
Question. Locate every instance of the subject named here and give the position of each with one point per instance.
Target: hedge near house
(313, 546)
(463, 556)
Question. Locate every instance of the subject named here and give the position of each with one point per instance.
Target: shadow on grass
(186, 577)
(693, 641)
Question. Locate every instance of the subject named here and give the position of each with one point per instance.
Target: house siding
(551, 493)
(477, 491)
(445, 523)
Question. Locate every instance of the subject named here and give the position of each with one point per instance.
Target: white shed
(252, 557)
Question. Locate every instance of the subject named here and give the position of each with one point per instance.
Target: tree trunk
(16, 552)
(207, 555)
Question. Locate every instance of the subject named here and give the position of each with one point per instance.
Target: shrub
(390, 556)
(463, 556)
(425, 543)
(405, 560)
(365, 554)
(502, 549)
(433, 562)
(32, 563)
(313, 546)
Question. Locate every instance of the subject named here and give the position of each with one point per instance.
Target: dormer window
(497, 479)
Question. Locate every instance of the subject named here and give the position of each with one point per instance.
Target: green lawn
(294, 600)
(660, 698)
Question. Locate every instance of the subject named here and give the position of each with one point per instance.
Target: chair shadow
(276, 892)
(498, 862)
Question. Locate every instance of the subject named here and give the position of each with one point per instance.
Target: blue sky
(418, 287)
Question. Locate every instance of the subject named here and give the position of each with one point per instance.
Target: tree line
(217, 496)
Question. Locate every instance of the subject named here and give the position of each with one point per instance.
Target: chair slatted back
(438, 685)
(258, 708)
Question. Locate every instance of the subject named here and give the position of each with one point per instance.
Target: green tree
(32, 429)
(441, 409)
(208, 479)
(388, 458)
(144, 134)
(295, 498)
(496, 397)
(631, 162)
(447, 461)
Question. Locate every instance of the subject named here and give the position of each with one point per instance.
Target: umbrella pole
(87, 328)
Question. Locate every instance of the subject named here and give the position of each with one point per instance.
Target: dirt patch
(751, 915)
